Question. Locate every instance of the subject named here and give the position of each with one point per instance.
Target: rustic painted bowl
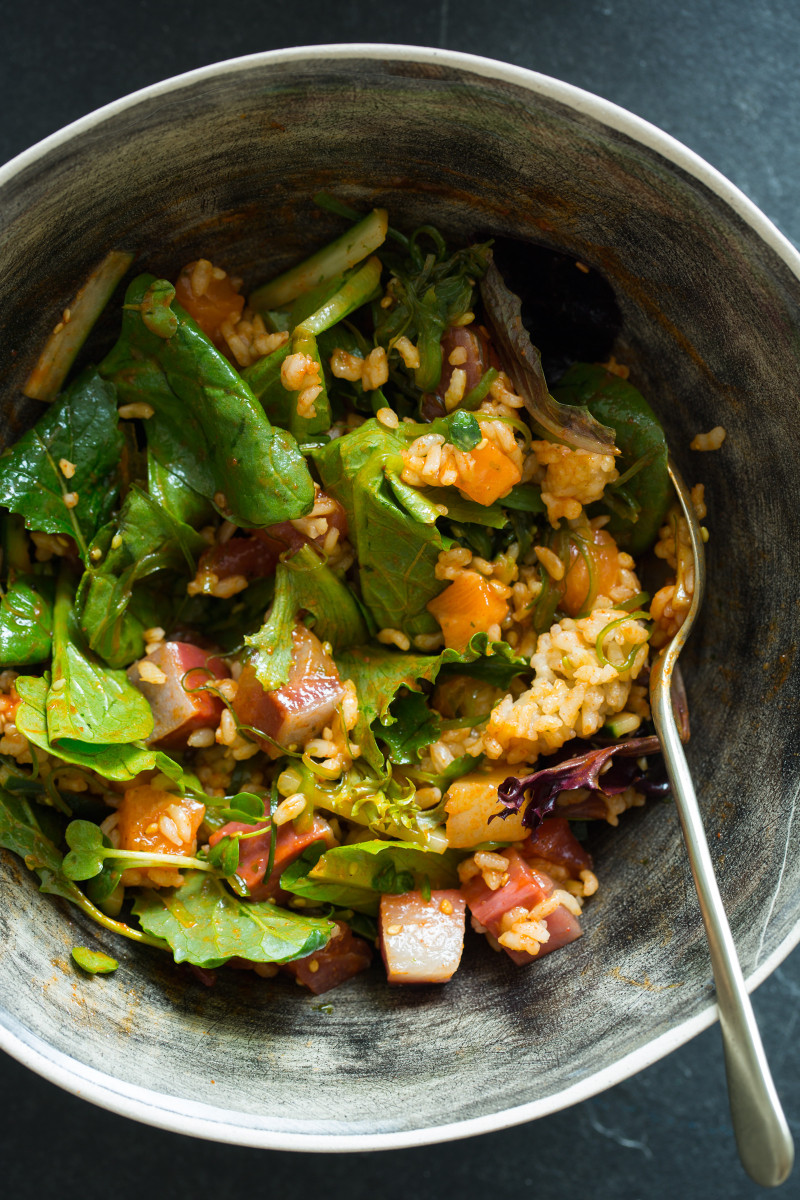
(223, 162)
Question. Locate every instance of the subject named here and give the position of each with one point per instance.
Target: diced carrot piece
(217, 303)
(605, 559)
(141, 811)
(468, 605)
(490, 475)
(470, 803)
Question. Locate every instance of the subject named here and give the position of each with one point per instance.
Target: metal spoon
(762, 1134)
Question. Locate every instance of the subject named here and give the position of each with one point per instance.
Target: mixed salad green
(320, 621)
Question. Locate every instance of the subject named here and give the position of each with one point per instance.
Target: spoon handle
(762, 1134)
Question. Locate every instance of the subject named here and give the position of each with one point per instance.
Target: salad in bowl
(323, 633)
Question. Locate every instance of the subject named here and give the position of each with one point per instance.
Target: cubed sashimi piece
(168, 678)
(254, 553)
(524, 888)
(471, 802)
(344, 956)
(422, 940)
(488, 475)
(153, 821)
(304, 705)
(466, 606)
(555, 842)
(254, 851)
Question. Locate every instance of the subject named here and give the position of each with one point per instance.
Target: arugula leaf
(81, 428)
(121, 762)
(304, 583)
(207, 428)
(145, 539)
(643, 446)
(206, 925)
(379, 673)
(396, 554)
(430, 290)
(355, 876)
(26, 623)
(86, 701)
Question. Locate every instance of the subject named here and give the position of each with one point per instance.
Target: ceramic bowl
(224, 162)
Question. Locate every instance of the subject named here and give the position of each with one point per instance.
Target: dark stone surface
(723, 78)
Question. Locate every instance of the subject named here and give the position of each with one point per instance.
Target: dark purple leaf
(569, 423)
(605, 771)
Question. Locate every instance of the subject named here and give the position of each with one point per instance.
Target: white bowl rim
(205, 1121)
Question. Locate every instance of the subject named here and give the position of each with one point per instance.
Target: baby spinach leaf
(87, 701)
(79, 428)
(642, 443)
(146, 538)
(396, 554)
(174, 495)
(120, 762)
(206, 925)
(94, 962)
(26, 623)
(207, 428)
(355, 876)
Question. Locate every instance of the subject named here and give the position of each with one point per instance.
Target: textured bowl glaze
(223, 162)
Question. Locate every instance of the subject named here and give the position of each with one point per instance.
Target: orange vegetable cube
(490, 474)
(217, 303)
(157, 822)
(605, 558)
(468, 605)
(471, 803)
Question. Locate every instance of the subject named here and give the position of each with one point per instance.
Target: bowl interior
(225, 166)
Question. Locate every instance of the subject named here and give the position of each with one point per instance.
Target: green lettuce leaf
(356, 876)
(26, 623)
(430, 290)
(396, 554)
(81, 428)
(642, 501)
(206, 925)
(414, 726)
(379, 673)
(144, 539)
(207, 428)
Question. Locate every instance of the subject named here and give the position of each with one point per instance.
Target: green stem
(340, 255)
(357, 290)
(135, 935)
